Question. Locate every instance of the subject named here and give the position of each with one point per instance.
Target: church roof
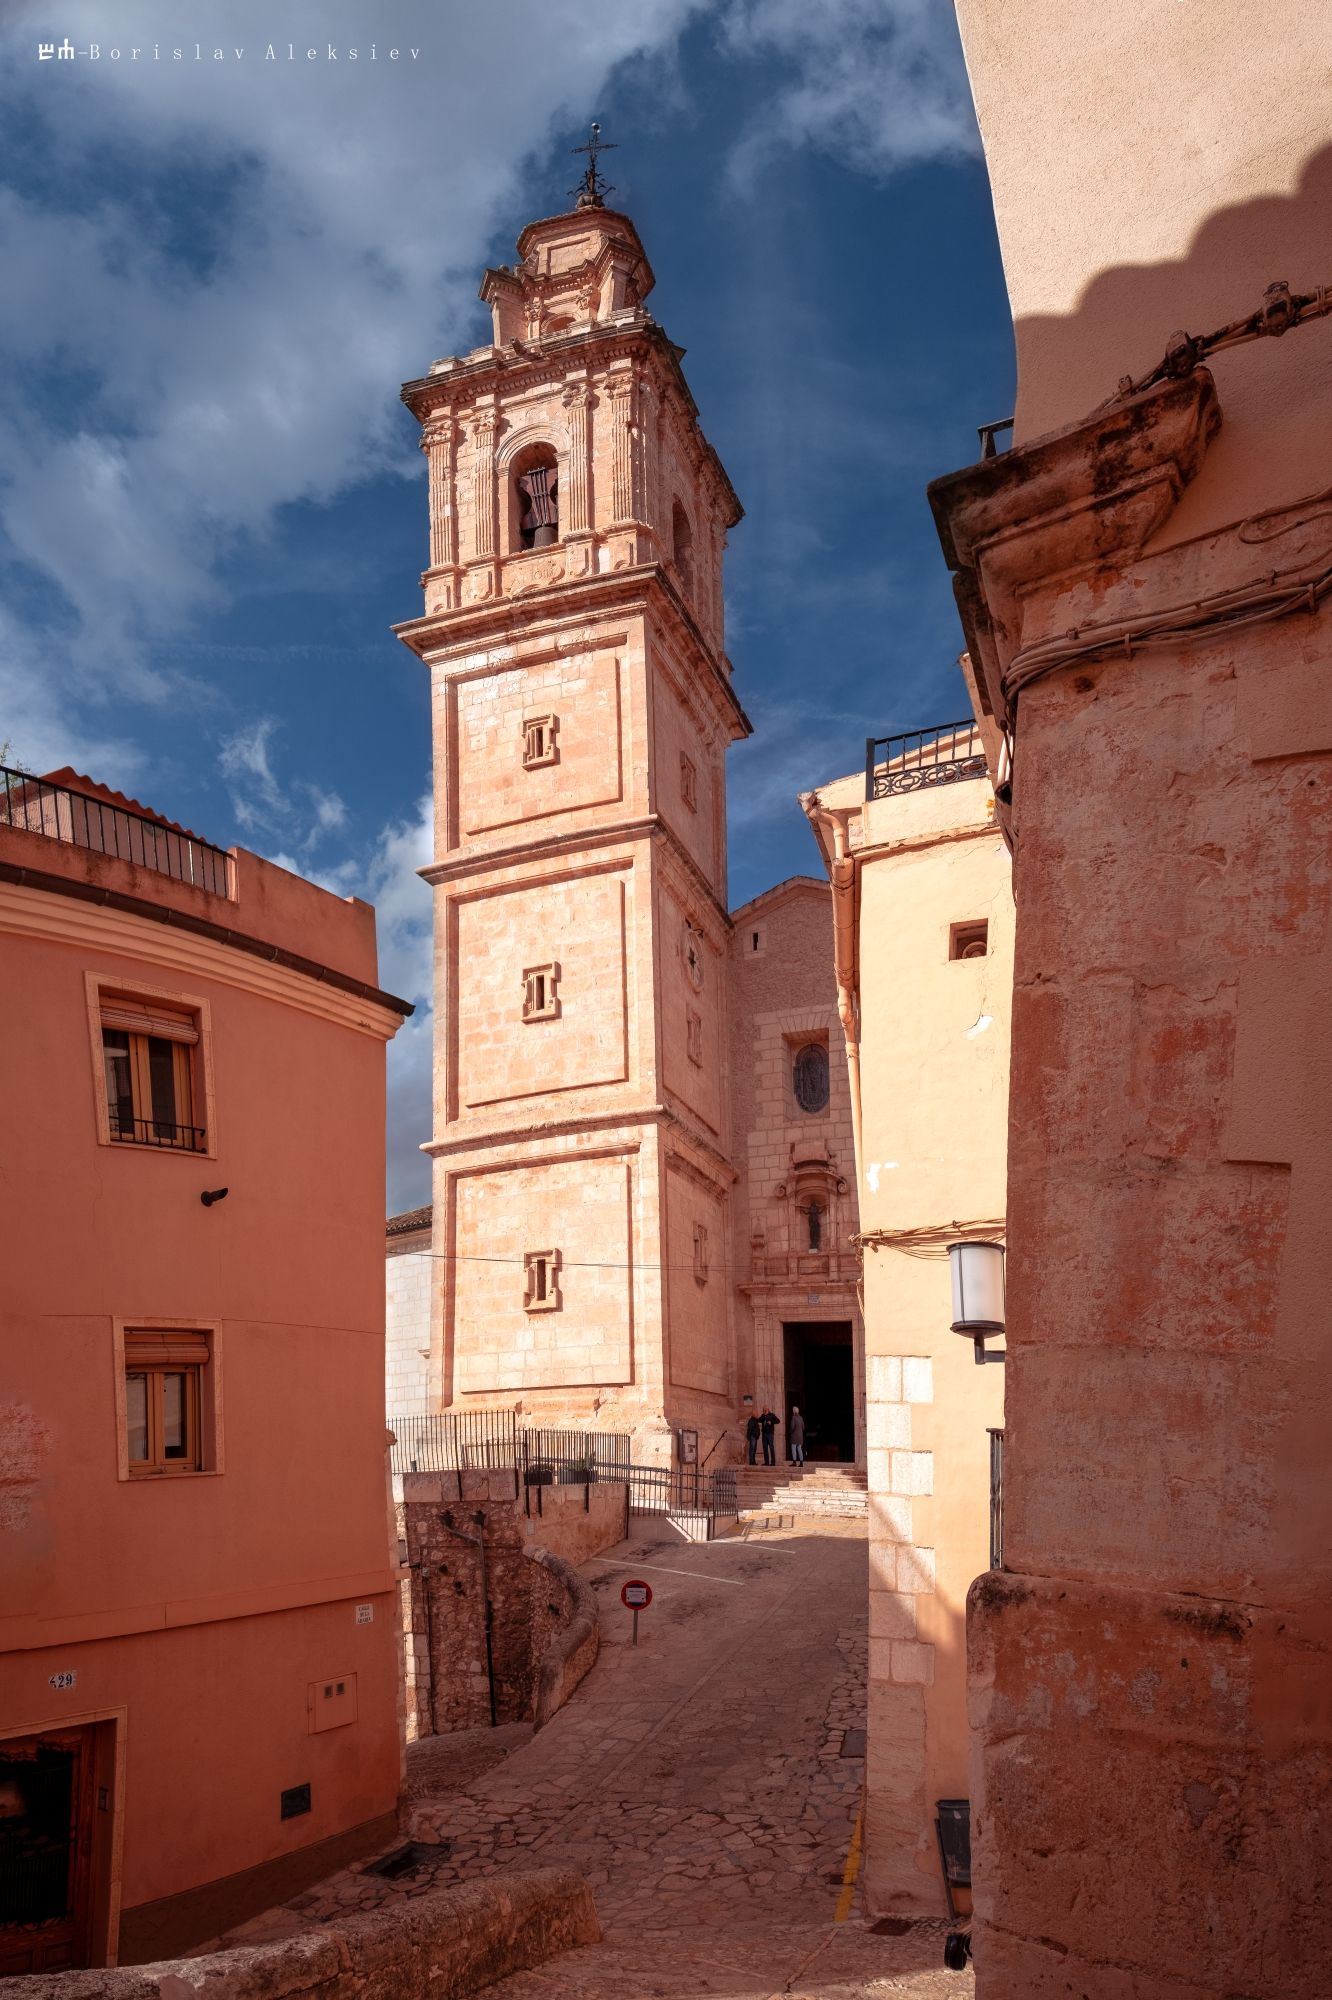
(793, 885)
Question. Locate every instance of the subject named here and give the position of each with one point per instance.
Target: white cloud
(342, 212)
(877, 83)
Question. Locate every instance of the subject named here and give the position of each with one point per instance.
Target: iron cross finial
(592, 190)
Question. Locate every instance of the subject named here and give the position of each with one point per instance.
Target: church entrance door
(820, 1381)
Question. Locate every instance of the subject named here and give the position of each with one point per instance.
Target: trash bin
(952, 1827)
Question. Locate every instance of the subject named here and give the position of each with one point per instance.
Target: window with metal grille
(809, 1077)
(694, 1036)
(688, 782)
(149, 1056)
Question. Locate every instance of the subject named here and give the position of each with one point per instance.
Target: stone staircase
(781, 1495)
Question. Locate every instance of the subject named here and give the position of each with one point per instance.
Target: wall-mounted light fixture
(977, 1271)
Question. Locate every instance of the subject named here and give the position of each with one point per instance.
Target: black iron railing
(36, 807)
(156, 1132)
(682, 1489)
(919, 757)
(493, 1440)
(996, 1499)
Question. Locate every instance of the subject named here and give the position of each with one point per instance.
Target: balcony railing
(996, 1499)
(920, 757)
(36, 807)
(156, 1132)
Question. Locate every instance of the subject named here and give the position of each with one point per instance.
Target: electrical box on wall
(331, 1702)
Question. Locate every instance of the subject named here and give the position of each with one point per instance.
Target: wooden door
(46, 1807)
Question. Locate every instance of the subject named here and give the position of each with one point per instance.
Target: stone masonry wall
(448, 1686)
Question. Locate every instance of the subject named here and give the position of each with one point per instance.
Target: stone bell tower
(582, 706)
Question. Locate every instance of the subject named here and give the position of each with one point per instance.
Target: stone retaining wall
(573, 1651)
(448, 1941)
(534, 1606)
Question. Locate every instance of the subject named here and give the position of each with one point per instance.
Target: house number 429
(60, 1682)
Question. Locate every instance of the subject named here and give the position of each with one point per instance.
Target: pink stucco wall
(194, 1610)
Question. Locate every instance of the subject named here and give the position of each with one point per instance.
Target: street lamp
(977, 1271)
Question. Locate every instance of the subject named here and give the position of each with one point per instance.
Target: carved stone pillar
(439, 442)
(642, 426)
(485, 431)
(621, 397)
(575, 501)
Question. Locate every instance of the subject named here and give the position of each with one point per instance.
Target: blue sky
(215, 275)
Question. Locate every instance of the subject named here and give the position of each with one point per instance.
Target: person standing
(753, 1432)
(768, 1421)
(795, 1435)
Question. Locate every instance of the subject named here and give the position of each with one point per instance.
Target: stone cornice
(33, 904)
(626, 1119)
(559, 846)
(504, 620)
(1083, 499)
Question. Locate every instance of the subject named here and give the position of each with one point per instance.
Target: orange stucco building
(627, 1145)
(199, 1706)
(1143, 580)
(923, 953)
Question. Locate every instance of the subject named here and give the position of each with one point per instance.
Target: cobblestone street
(703, 1782)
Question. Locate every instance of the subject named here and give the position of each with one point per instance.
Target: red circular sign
(636, 1596)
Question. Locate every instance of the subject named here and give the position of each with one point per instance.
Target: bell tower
(582, 707)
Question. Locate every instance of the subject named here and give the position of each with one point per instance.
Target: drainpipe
(832, 825)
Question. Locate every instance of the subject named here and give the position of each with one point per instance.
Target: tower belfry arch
(581, 710)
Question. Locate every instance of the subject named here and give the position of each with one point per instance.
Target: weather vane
(592, 190)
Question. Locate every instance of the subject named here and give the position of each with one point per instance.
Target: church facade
(643, 1198)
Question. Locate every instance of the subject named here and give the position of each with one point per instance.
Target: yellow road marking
(849, 1873)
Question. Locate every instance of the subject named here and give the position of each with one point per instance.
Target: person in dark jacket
(768, 1422)
(795, 1435)
(753, 1432)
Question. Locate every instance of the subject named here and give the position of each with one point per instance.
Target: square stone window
(694, 1036)
(701, 1253)
(540, 741)
(541, 1281)
(969, 940)
(688, 783)
(541, 993)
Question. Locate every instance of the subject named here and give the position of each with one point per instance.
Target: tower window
(541, 1281)
(809, 1077)
(541, 994)
(537, 489)
(701, 1252)
(694, 1037)
(540, 741)
(758, 941)
(688, 783)
(969, 940)
(682, 547)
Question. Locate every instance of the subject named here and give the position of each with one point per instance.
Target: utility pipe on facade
(841, 862)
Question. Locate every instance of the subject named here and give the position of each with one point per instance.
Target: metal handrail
(34, 806)
(996, 1499)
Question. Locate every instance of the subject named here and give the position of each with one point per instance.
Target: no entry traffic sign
(636, 1596)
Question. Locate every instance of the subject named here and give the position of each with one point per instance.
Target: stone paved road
(698, 1782)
